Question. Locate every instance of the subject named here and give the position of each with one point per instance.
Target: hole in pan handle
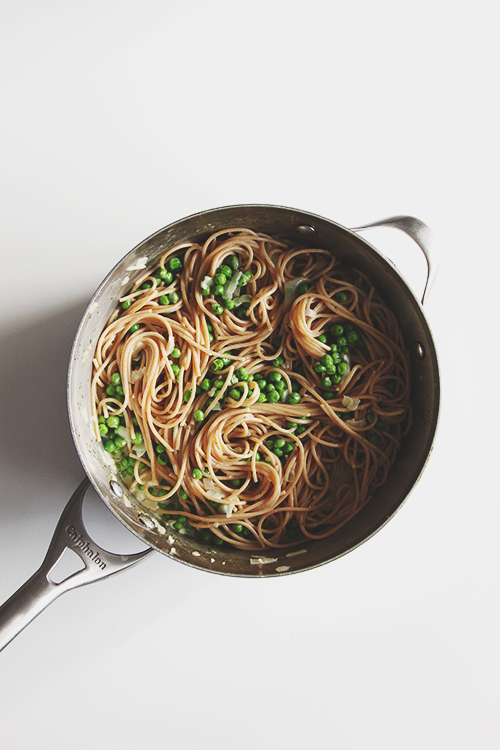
(40, 591)
(419, 233)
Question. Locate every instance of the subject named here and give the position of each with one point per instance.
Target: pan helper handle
(40, 590)
(419, 233)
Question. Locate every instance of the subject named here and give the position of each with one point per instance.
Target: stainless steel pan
(301, 227)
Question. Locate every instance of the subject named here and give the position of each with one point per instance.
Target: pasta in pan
(252, 392)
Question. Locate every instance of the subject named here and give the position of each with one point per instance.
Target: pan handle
(40, 590)
(420, 233)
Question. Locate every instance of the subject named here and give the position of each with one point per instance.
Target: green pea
(206, 291)
(134, 328)
(232, 261)
(162, 459)
(273, 397)
(175, 264)
(342, 368)
(228, 304)
(113, 422)
(288, 447)
(103, 430)
(164, 300)
(300, 429)
(111, 390)
(341, 341)
(175, 353)
(116, 378)
(336, 379)
(197, 474)
(337, 330)
(278, 362)
(165, 275)
(326, 382)
(236, 482)
(278, 452)
(130, 471)
(218, 289)
(138, 439)
(220, 278)
(270, 388)
(302, 288)
(293, 398)
(120, 442)
(262, 398)
(342, 297)
(291, 425)
(226, 271)
(119, 390)
(238, 528)
(322, 338)
(275, 377)
(187, 396)
(235, 394)
(352, 337)
(110, 446)
(319, 367)
(218, 383)
(243, 374)
(330, 370)
(199, 415)
(242, 280)
(327, 360)
(281, 386)
(182, 494)
(217, 309)
(328, 395)
(175, 369)
(279, 443)
(160, 449)
(206, 384)
(126, 304)
(217, 364)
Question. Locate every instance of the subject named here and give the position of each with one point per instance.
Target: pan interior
(351, 250)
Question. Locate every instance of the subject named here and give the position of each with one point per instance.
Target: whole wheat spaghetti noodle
(251, 392)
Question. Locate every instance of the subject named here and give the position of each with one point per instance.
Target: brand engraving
(80, 542)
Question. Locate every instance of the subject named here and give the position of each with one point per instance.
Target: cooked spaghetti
(252, 392)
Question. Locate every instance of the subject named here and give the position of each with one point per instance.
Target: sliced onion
(232, 286)
(136, 374)
(356, 422)
(139, 450)
(124, 432)
(351, 403)
(241, 300)
(290, 290)
(207, 282)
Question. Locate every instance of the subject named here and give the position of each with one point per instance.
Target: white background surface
(120, 117)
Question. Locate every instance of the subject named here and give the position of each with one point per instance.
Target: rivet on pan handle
(40, 591)
(419, 233)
